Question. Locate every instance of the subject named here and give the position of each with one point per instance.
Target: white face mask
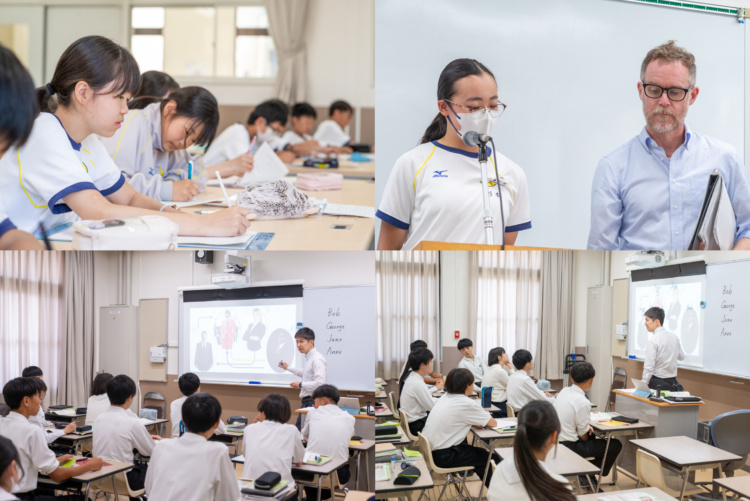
(467, 122)
(268, 136)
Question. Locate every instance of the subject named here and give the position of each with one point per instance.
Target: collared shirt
(50, 435)
(33, 454)
(191, 468)
(474, 365)
(117, 433)
(662, 353)
(522, 390)
(175, 417)
(313, 372)
(291, 138)
(506, 481)
(97, 405)
(271, 446)
(451, 419)
(574, 411)
(328, 431)
(416, 399)
(330, 133)
(640, 199)
(6, 496)
(497, 376)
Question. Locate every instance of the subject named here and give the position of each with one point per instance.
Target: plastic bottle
(393, 465)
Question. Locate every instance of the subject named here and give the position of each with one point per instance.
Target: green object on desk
(391, 423)
(70, 463)
(412, 454)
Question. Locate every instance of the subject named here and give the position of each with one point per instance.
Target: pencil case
(625, 419)
(385, 430)
(135, 233)
(267, 480)
(407, 476)
(320, 181)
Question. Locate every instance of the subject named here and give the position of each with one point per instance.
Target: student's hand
(156, 437)
(297, 464)
(283, 365)
(70, 428)
(95, 464)
(257, 419)
(439, 384)
(184, 190)
(286, 156)
(548, 394)
(240, 165)
(591, 430)
(64, 458)
(345, 149)
(19, 240)
(295, 385)
(226, 223)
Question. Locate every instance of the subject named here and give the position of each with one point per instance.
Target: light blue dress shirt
(640, 199)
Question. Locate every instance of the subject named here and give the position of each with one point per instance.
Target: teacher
(313, 371)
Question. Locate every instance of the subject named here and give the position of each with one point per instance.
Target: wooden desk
(380, 395)
(657, 493)
(562, 461)
(626, 458)
(668, 419)
(347, 168)
(401, 439)
(489, 437)
(738, 485)
(49, 416)
(325, 470)
(72, 441)
(157, 423)
(386, 488)
(358, 496)
(88, 478)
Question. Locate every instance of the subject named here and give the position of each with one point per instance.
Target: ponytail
(437, 129)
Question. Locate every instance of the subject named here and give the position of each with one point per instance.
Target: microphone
(473, 138)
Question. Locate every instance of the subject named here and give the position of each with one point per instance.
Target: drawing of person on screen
(254, 333)
(313, 372)
(673, 315)
(228, 331)
(204, 354)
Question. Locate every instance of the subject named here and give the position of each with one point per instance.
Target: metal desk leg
(320, 488)
(490, 448)
(88, 486)
(601, 470)
(356, 470)
(686, 472)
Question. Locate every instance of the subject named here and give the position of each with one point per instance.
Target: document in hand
(267, 166)
(716, 223)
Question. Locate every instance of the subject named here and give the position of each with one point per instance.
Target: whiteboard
(543, 54)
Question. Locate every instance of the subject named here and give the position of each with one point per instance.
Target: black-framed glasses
(478, 112)
(673, 93)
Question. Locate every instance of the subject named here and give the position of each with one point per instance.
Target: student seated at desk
(521, 388)
(9, 472)
(189, 384)
(191, 468)
(574, 411)
(99, 401)
(431, 378)
(415, 398)
(23, 397)
(331, 132)
(450, 421)
(525, 476)
(117, 433)
(298, 140)
(156, 84)
(50, 433)
(471, 362)
(496, 376)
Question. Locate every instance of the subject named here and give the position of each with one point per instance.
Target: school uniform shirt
(175, 417)
(5, 226)
(48, 167)
(98, 404)
(291, 138)
(39, 420)
(138, 151)
(497, 377)
(574, 411)
(33, 454)
(434, 193)
(329, 133)
(416, 399)
(662, 353)
(451, 419)
(328, 431)
(506, 481)
(313, 372)
(117, 433)
(271, 446)
(234, 141)
(474, 365)
(522, 390)
(191, 468)
(6, 496)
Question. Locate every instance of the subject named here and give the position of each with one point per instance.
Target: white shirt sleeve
(681, 354)
(222, 429)
(397, 203)
(650, 363)
(306, 427)
(299, 447)
(583, 418)
(226, 486)
(142, 439)
(520, 211)
(475, 415)
(41, 455)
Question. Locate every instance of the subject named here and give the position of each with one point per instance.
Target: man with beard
(647, 194)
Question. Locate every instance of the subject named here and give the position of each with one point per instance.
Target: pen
(44, 237)
(224, 190)
(254, 382)
(205, 211)
(190, 170)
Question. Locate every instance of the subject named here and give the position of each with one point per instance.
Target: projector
(646, 259)
(236, 273)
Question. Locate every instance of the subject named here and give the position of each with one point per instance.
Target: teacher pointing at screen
(313, 371)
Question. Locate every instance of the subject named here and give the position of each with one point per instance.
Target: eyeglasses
(478, 111)
(673, 93)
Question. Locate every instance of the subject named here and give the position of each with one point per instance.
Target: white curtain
(408, 307)
(555, 313)
(287, 22)
(31, 315)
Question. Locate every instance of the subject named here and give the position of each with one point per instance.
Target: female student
(433, 192)
(414, 397)
(9, 469)
(496, 376)
(525, 476)
(98, 401)
(156, 84)
(63, 171)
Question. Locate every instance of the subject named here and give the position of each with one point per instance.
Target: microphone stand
(489, 235)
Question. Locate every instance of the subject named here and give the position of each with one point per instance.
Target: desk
(289, 493)
(72, 441)
(488, 438)
(49, 416)
(386, 489)
(347, 168)
(157, 422)
(657, 493)
(682, 453)
(380, 395)
(401, 439)
(88, 478)
(562, 461)
(230, 439)
(358, 496)
(367, 447)
(669, 420)
(626, 458)
(325, 470)
(738, 485)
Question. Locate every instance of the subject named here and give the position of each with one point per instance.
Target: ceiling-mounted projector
(646, 259)
(236, 273)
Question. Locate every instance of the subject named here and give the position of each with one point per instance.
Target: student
(431, 378)
(50, 433)
(63, 172)
(191, 468)
(574, 411)
(433, 192)
(23, 397)
(298, 140)
(269, 444)
(521, 388)
(331, 132)
(469, 361)
(313, 372)
(328, 431)
(156, 84)
(415, 398)
(189, 384)
(10, 472)
(150, 149)
(662, 353)
(117, 433)
(450, 421)
(99, 401)
(496, 376)
(525, 476)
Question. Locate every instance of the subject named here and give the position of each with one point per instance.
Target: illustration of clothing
(228, 333)
(253, 335)
(673, 315)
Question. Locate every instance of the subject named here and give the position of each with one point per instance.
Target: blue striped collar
(462, 152)
(76, 146)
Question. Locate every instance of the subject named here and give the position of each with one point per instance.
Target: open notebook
(716, 223)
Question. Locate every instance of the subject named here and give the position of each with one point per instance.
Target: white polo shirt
(329, 133)
(191, 468)
(416, 399)
(175, 417)
(117, 433)
(662, 353)
(33, 454)
(50, 166)
(451, 419)
(98, 404)
(290, 138)
(574, 411)
(39, 420)
(506, 482)
(313, 372)
(6, 496)
(497, 377)
(522, 390)
(328, 431)
(474, 365)
(271, 446)
(434, 193)
(231, 143)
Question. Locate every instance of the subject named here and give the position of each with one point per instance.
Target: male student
(647, 193)
(574, 411)
(331, 132)
(313, 372)
(416, 399)
(23, 396)
(298, 140)
(191, 468)
(328, 430)
(117, 433)
(189, 384)
(50, 433)
(431, 378)
(662, 353)
(521, 388)
(471, 362)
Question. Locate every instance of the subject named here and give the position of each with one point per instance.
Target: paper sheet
(505, 423)
(349, 210)
(217, 241)
(267, 166)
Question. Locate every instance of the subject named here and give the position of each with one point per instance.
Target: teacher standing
(313, 371)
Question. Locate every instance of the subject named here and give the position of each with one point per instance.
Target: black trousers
(47, 495)
(306, 402)
(136, 478)
(503, 412)
(594, 447)
(417, 426)
(312, 492)
(464, 454)
(665, 384)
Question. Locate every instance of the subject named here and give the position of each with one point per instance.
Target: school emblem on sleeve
(492, 182)
(440, 173)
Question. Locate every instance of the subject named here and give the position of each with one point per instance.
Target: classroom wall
(454, 305)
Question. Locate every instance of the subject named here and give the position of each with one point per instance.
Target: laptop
(350, 405)
(641, 389)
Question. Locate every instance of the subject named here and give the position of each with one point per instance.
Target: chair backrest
(729, 432)
(426, 448)
(123, 488)
(394, 408)
(405, 427)
(619, 382)
(160, 405)
(4, 410)
(649, 469)
(511, 412)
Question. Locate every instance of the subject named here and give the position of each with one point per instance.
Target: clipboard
(717, 224)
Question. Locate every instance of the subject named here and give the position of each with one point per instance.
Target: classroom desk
(401, 439)
(682, 453)
(380, 395)
(88, 478)
(626, 458)
(668, 419)
(358, 496)
(72, 441)
(347, 168)
(290, 493)
(488, 438)
(383, 413)
(157, 423)
(49, 416)
(737, 485)
(657, 493)
(562, 461)
(386, 489)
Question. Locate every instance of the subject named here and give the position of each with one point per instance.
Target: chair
(405, 428)
(619, 381)
(570, 360)
(4, 410)
(729, 433)
(509, 409)
(650, 472)
(394, 408)
(161, 409)
(455, 476)
(123, 488)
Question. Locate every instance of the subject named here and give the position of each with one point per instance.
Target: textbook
(717, 223)
(628, 496)
(315, 459)
(248, 487)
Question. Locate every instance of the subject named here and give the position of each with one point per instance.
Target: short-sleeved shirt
(33, 454)
(117, 433)
(175, 417)
(475, 365)
(328, 430)
(451, 419)
(415, 397)
(48, 167)
(434, 193)
(330, 133)
(574, 411)
(291, 138)
(522, 390)
(271, 446)
(497, 377)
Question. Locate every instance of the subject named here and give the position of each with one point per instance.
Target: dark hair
(41, 385)
(8, 454)
(18, 106)
(304, 110)
(194, 103)
(340, 106)
(582, 372)
(537, 420)
(200, 412)
(189, 383)
(655, 313)
(458, 380)
(417, 344)
(452, 73)
(305, 333)
(157, 84)
(276, 407)
(418, 357)
(495, 353)
(32, 371)
(521, 358)
(17, 389)
(272, 110)
(327, 390)
(120, 388)
(99, 387)
(464, 343)
(96, 60)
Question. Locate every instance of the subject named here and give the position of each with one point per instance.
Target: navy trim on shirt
(6, 226)
(462, 152)
(114, 187)
(392, 220)
(63, 208)
(76, 146)
(518, 227)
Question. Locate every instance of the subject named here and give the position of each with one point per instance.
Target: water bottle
(393, 466)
